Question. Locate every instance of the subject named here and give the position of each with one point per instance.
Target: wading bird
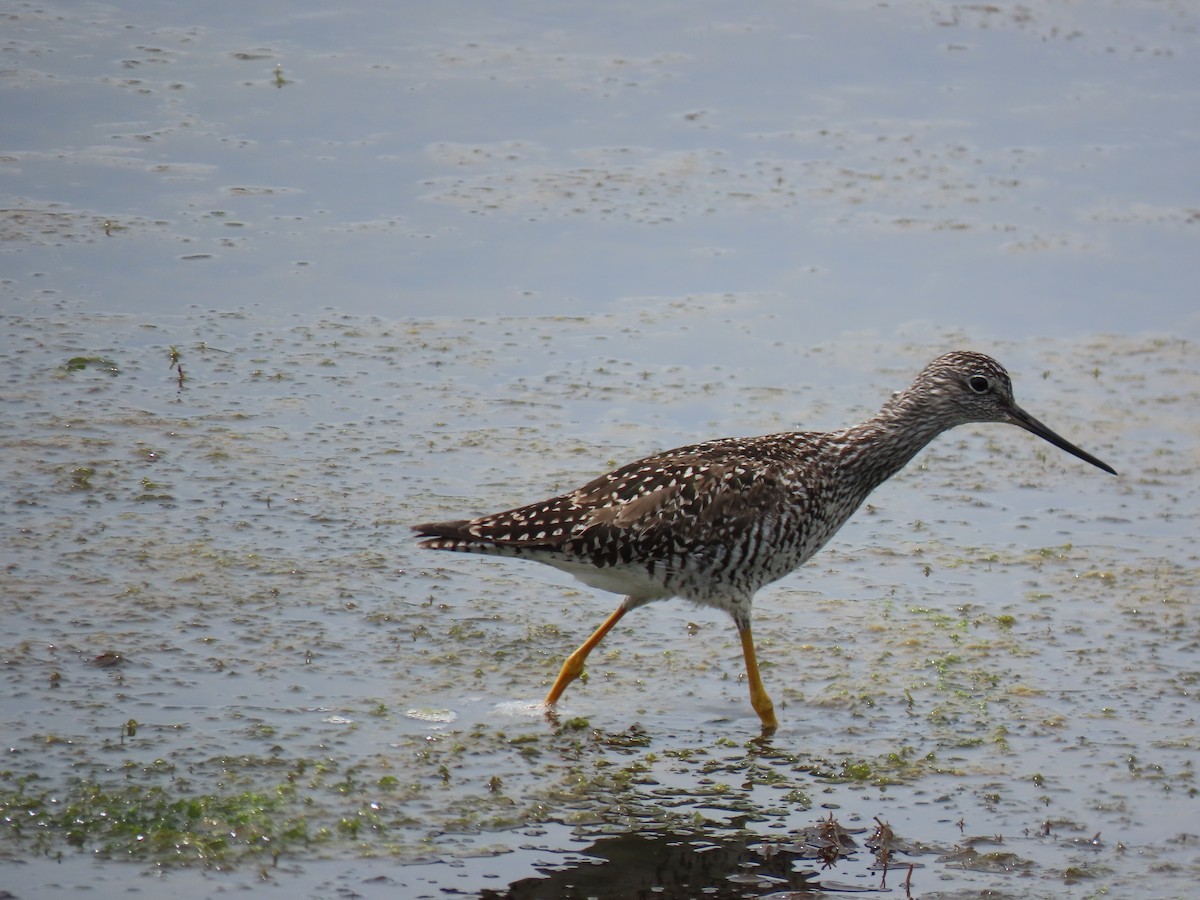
(714, 522)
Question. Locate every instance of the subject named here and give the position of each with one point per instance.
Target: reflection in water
(672, 865)
(685, 865)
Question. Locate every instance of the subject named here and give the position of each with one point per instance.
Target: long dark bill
(1023, 419)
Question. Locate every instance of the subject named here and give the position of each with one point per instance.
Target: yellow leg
(758, 694)
(573, 667)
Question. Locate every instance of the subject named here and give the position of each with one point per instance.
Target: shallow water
(240, 545)
(528, 249)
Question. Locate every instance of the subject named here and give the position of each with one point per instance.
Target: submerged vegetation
(150, 824)
(99, 363)
(155, 814)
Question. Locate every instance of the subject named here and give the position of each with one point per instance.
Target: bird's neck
(885, 443)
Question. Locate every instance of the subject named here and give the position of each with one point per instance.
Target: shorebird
(714, 522)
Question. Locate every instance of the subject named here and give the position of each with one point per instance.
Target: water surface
(280, 282)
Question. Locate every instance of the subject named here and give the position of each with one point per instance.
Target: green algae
(150, 823)
(99, 363)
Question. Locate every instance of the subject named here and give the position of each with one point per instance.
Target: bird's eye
(979, 384)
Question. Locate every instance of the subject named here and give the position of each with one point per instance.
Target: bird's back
(707, 520)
